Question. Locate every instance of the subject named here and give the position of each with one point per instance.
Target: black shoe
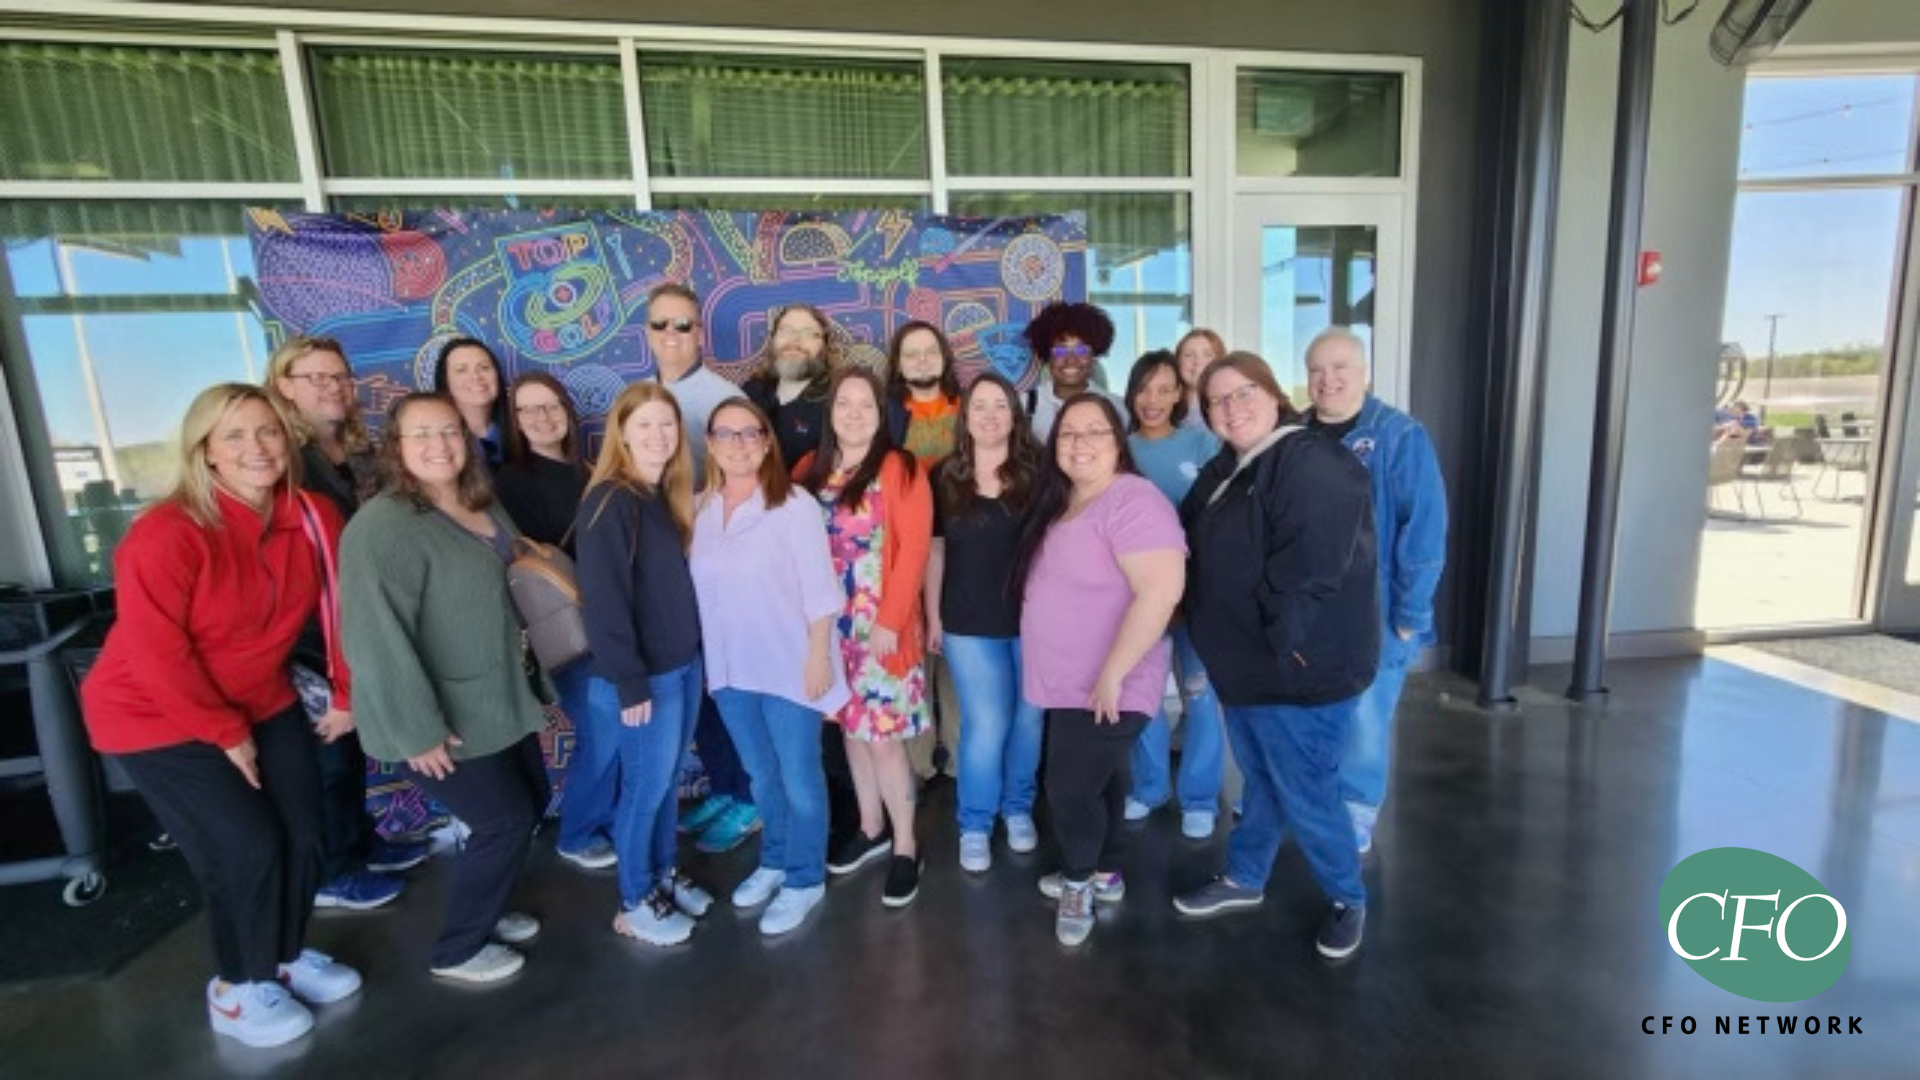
(857, 850)
(903, 880)
(1340, 930)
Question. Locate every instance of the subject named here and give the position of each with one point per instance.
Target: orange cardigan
(903, 557)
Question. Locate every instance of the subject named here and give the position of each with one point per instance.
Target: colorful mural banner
(565, 292)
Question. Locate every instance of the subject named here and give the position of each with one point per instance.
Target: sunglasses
(680, 326)
(1072, 352)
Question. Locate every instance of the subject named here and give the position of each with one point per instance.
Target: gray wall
(1857, 22)
(1693, 156)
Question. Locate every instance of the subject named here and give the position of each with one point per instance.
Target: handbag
(315, 688)
(547, 596)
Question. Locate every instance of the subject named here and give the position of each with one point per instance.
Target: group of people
(772, 574)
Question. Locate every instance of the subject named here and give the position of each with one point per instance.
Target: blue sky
(1823, 260)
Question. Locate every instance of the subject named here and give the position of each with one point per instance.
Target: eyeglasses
(423, 434)
(551, 408)
(322, 380)
(680, 326)
(1077, 438)
(930, 354)
(744, 437)
(798, 333)
(1072, 352)
(1241, 397)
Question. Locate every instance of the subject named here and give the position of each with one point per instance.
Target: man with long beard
(790, 381)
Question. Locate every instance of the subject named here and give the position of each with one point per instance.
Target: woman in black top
(981, 495)
(543, 479)
(540, 487)
(1281, 598)
(643, 623)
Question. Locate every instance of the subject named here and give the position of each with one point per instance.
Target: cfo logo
(1755, 924)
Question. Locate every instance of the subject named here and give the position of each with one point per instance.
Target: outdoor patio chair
(1724, 470)
(1777, 468)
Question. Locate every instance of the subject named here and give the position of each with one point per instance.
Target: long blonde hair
(193, 489)
(353, 430)
(616, 467)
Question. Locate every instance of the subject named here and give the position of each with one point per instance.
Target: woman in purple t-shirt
(1101, 569)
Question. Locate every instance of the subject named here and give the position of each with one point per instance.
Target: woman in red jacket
(191, 695)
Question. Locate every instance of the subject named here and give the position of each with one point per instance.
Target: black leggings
(256, 854)
(1089, 772)
(500, 797)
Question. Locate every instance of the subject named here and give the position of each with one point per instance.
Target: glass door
(1304, 263)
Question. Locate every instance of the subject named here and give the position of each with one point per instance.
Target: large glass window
(114, 113)
(1313, 278)
(436, 115)
(125, 312)
(1807, 127)
(1059, 118)
(722, 115)
(826, 204)
(1314, 123)
(1140, 254)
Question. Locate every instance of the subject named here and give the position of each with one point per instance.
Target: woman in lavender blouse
(768, 599)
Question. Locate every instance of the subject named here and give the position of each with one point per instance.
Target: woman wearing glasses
(1069, 340)
(426, 613)
(308, 378)
(644, 627)
(1171, 455)
(469, 375)
(1101, 571)
(1280, 596)
(879, 525)
(769, 599)
(191, 696)
(540, 488)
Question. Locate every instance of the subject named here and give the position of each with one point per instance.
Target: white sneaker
(258, 1014)
(516, 928)
(656, 921)
(491, 964)
(319, 979)
(976, 852)
(1108, 888)
(689, 897)
(1137, 810)
(1022, 837)
(1198, 824)
(1073, 920)
(789, 909)
(759, 887)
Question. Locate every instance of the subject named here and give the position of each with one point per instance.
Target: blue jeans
(1202, 758)
(1363, 766)
(779, 743)
(593, 773)
(647, 812)
(1290, 756)
(1000, 733)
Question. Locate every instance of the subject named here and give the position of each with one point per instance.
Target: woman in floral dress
(879, 528)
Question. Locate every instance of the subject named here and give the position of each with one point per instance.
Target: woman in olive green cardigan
(431, 634)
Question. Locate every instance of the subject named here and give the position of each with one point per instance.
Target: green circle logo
(1755, 924)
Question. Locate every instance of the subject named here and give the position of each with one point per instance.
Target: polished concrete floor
(1514, 932)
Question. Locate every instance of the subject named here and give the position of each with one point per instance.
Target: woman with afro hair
(1068, 340)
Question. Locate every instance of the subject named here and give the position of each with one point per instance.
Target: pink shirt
(761, 579)
(1077, 595)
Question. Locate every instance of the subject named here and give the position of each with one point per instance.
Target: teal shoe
(705, 813)
(739, 822)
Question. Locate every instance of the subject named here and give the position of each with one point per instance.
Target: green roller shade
(436, 115)
(1043, 118)
(737, 116)
(135, 113)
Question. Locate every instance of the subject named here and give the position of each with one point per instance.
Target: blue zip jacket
(1409, 513)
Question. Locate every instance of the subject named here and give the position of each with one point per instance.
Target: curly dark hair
(1059, 319)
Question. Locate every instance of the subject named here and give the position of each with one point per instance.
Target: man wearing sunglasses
(673, 338)
(1069, 339)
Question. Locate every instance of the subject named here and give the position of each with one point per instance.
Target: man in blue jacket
(1410, 527)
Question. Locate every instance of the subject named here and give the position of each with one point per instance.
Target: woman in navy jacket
(1281, 598)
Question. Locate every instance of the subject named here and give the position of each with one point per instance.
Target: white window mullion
(636, 124)
(1164, 185)
(306, 134)
(936, 131)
